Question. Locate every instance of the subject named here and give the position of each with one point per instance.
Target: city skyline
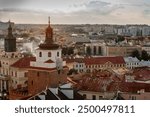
(76, 11)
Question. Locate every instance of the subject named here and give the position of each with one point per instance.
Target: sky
(76, 11)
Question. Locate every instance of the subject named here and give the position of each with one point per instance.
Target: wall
(99, 95)
(38, 79)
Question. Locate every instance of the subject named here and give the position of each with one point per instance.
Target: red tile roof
(41, 68)
(103, 60)
(142, 74)
(107, 81)
(23, 62)
(128, 87)
(97, 82)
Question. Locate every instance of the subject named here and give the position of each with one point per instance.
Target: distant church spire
(10, 40)
(10, 29)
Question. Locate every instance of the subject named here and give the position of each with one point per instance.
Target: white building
(144, 64)
(131, 62)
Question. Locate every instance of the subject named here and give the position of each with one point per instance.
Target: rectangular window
(84, 96)
(93, 97)
(100, 97)
(12, 73)
(25, 74)
(57, 54)
(15, 74)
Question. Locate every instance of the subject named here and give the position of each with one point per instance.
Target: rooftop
(23, 62)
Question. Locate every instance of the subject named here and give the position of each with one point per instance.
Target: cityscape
(76, 59)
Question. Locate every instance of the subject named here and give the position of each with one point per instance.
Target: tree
(70, 50)
(136, 54)
(120, 38)
(144, 55)
(72, 71)
(64, 51)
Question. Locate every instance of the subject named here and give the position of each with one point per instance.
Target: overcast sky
(76, 11)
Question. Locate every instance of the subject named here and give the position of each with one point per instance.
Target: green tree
(144, 55)
(70, 50)
(136, 54)
(119, 39)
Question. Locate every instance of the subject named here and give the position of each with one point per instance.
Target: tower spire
(9, 29)
(49, 43)
(49, 20)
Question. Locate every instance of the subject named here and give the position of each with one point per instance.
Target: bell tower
(10, 41)
(49, 33)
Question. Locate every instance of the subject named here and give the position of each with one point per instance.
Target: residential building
(131, 62)
(95, 49)
(97, 63)
(121, 50)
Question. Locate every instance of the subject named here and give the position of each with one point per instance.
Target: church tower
(49, 69)
(10, 41)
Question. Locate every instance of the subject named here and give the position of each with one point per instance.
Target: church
(49, 69)
(29, 76)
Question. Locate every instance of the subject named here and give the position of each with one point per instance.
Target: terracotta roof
(142, 74)
(128, 87)
(23, 62)
(103, 60)
(49, 61)
(97, 82)
(41, 68)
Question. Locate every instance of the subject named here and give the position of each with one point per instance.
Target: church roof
(23, 62)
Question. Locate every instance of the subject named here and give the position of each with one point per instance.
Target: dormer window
(49, 54)
(40, 54)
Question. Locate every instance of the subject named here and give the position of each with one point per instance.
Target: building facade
(99, 63)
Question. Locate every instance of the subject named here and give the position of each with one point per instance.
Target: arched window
(49, 54)
(57, 54)
(40, 54)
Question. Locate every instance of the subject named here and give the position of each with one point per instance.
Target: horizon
(69, 23)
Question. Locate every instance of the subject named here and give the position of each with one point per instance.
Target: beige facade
(121, 50)
(7, 59)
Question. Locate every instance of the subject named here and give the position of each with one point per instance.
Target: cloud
(96, 11)
(97, 4)
(96, 8)
(11, 3)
